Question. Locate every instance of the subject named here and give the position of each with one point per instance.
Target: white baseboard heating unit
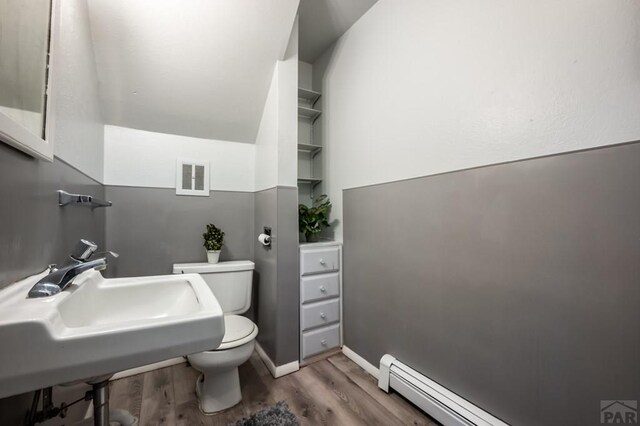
(436, 400)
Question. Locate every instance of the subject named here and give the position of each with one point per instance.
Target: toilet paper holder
(265, 237)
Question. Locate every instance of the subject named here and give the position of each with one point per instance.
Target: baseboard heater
(436, 400)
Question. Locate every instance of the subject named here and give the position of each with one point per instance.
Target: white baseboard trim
(149, 367)
(363, 363)
(276, 371)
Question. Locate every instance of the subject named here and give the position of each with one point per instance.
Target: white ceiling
(322, 22)
(198, 68)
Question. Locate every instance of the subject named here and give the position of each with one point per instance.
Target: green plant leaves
(311, 220)
(213, 238)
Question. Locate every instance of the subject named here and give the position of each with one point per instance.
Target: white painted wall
(305, 74)
(276, 146)
(266, 146)
(288, 113)
(141, 158)
(31, 120)
(78, 125)
(418, 87)
(324, 21)
(192, 68)
(147, 159)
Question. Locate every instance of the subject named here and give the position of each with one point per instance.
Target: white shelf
(309, 180)
(308, 96)
(310, 148)
(306, 100)
(309, 113)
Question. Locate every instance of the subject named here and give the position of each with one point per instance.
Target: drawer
(319, 260)
(320, 313)
(323, 339)
(319, 287)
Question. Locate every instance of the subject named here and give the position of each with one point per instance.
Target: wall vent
(192, 177)
(439, 402)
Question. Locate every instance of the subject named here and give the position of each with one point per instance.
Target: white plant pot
(213, 256)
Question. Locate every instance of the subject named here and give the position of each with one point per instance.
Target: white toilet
(218, 387)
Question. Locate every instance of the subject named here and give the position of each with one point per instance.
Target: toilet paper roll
(264, 239)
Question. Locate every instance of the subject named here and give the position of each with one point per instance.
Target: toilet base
(219, 392)
(218, 387)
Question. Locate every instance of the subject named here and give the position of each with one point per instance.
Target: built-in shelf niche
(309, 180)
(309, 164)
(309, 158)
(310, 148)
(308, 113)
(307, 97)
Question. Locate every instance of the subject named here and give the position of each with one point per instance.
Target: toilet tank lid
(212, 268)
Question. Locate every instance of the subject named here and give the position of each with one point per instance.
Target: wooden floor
(334, 391)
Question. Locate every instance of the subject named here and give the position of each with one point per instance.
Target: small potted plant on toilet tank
(213, 240)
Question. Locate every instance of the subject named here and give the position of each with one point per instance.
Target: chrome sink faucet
(59, 279)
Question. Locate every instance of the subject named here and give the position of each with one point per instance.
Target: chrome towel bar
(65, 198)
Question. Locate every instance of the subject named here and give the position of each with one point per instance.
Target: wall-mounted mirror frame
(17, 135)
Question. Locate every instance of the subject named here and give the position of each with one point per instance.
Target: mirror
(25, 28)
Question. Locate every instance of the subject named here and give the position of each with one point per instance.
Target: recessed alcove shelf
(308, 96)
(309, 153)
(308, 113)
(310, 148)
(309, 180)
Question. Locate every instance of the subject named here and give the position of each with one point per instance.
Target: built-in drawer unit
(320, 340)
(318, 287)
(320, 313)
(319, 260)
(320, 303)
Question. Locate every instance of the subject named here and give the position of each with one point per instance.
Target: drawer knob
(322, 289)
(323, 342)
(322, 315)
(322, 262)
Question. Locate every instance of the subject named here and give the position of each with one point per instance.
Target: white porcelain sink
(100, 326)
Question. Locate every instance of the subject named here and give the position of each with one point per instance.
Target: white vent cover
(436, 400)
(192, 177)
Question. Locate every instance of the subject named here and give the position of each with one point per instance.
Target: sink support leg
(101, 403)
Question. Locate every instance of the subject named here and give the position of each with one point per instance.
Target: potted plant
(312, 220)
(213, 240)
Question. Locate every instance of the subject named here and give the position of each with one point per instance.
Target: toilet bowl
(218, 387)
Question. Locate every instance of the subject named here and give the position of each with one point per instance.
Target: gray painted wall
(288, 287)
(34, 230)
(266, 259)
(277, 272)
(516, 286)
(153, 228)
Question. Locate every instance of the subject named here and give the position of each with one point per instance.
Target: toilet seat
(238, 331)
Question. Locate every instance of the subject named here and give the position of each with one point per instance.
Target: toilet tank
(230, 282)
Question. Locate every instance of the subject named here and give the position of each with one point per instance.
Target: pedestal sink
(99, 326)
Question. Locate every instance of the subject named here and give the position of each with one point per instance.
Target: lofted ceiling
(198, 68)
(322, 22)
